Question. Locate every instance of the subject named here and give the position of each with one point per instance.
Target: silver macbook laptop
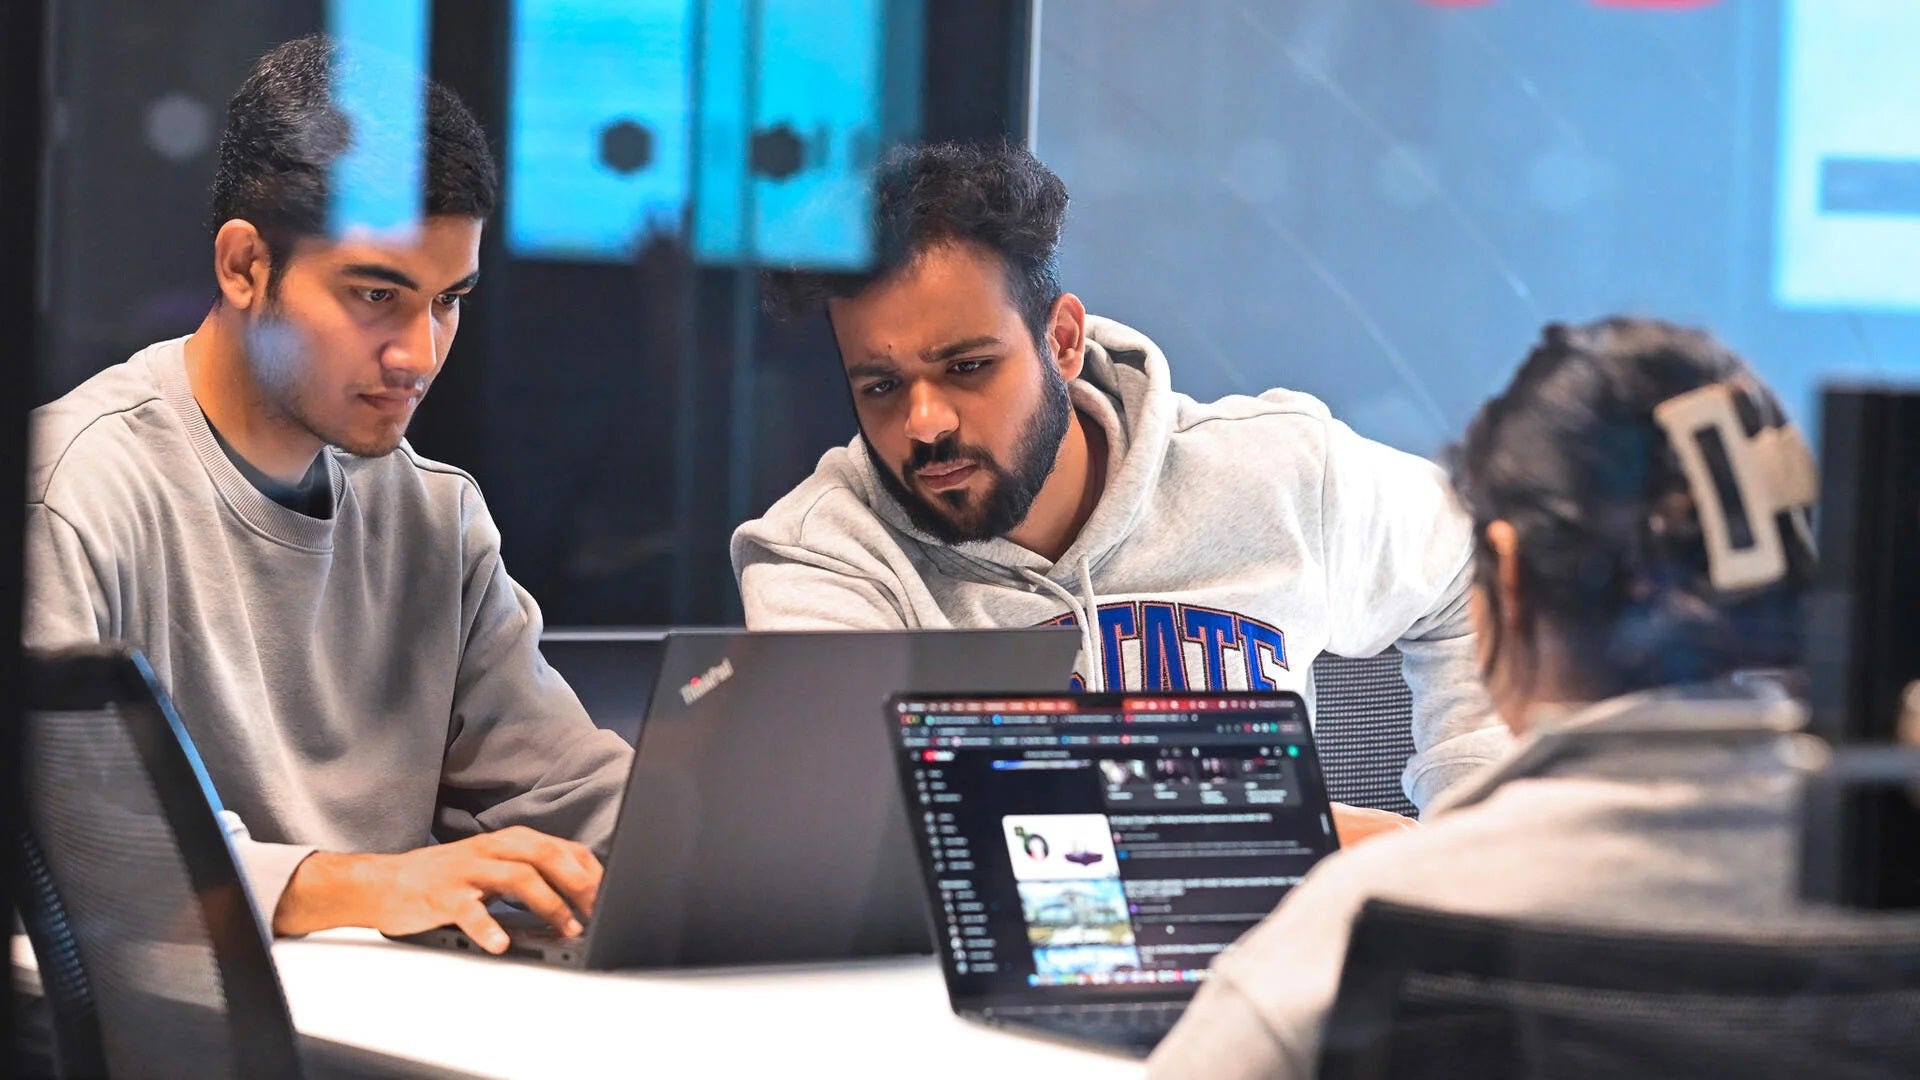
(1084, 856)
(762, 823)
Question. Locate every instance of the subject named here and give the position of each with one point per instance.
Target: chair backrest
(152, 957)
(1427, 994)
(1363, 725)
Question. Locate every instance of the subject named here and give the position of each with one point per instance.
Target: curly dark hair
(1611, 551)
(284, 132)
(996, 194)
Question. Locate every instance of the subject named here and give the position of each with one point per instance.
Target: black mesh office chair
(1363, 725)
(1427, 995)
(152, 959)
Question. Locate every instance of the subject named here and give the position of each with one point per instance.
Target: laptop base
(528, 938)
(1130, 1028)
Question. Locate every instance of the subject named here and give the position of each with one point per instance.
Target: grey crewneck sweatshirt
(366, 682)
(1236, 540)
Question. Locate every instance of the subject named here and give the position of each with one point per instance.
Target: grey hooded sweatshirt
(1236, 541)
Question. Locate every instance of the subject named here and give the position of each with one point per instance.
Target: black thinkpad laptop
(1086, 855)
(762, 822)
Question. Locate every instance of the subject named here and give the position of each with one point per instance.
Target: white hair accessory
(1740, 483)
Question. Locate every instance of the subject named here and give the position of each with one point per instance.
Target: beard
(283, 367)
(959, 517)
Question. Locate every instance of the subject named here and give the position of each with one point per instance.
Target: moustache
(415, 384)
(934, 453)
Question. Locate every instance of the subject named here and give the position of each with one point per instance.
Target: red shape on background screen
(1656, 5)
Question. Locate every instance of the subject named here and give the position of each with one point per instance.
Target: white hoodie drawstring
(1096, 655)
(1085, 608)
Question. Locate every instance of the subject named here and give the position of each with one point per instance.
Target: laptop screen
(1087, 845)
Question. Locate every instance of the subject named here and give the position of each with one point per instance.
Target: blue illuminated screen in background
(762, 117)
(1381, 202)
(382, 59)
(598, 125)
(1848, 234)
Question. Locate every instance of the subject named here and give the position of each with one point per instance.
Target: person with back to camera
(1613, 592)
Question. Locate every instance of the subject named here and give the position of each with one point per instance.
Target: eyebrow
(377, 272)
(882, 369)
(388, 274)
(872, 369)
(948, 352)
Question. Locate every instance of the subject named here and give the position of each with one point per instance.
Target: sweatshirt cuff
(1455, 760)
(1223, 1036)
(264, 868)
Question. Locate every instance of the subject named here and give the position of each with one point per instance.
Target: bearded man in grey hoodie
(1023, 463)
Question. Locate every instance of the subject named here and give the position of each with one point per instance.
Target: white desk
(507, 1018)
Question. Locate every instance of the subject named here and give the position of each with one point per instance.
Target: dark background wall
(22, 76)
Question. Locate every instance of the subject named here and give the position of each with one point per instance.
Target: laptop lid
(762, 821)
(1103, 847)
(611, 671)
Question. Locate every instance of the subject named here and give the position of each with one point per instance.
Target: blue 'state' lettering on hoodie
(1149, 645)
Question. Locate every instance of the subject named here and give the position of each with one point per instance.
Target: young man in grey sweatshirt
(1021, 463)
(328, 609)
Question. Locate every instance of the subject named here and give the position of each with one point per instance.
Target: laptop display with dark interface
(1084, 852)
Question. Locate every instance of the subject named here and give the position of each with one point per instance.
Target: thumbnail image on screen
(1054, 847)
(1075, 908)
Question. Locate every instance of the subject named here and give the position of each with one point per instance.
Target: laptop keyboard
(1135, 1025)
(535, 938)
(543, 935)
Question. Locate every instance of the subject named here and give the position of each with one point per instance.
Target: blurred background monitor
(1864, 640)
(1862, 846)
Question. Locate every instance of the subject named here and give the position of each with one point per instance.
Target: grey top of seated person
(364, 682)
(1609, 815)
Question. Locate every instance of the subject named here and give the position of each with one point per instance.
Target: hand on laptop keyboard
(445, 884)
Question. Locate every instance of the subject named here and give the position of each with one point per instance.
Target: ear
(241, 264)
(1067, 335)
(1505, 542)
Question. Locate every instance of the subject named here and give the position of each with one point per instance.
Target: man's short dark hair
(997, 195)
(284, 132)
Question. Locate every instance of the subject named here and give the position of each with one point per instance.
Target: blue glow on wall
(1847, 233)
(597, 125)
(376, 186)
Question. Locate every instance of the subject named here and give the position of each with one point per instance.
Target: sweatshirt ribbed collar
(168, 361)
(1641, 727)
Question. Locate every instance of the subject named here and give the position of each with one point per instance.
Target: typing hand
(446, 883)
(1358, 823)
